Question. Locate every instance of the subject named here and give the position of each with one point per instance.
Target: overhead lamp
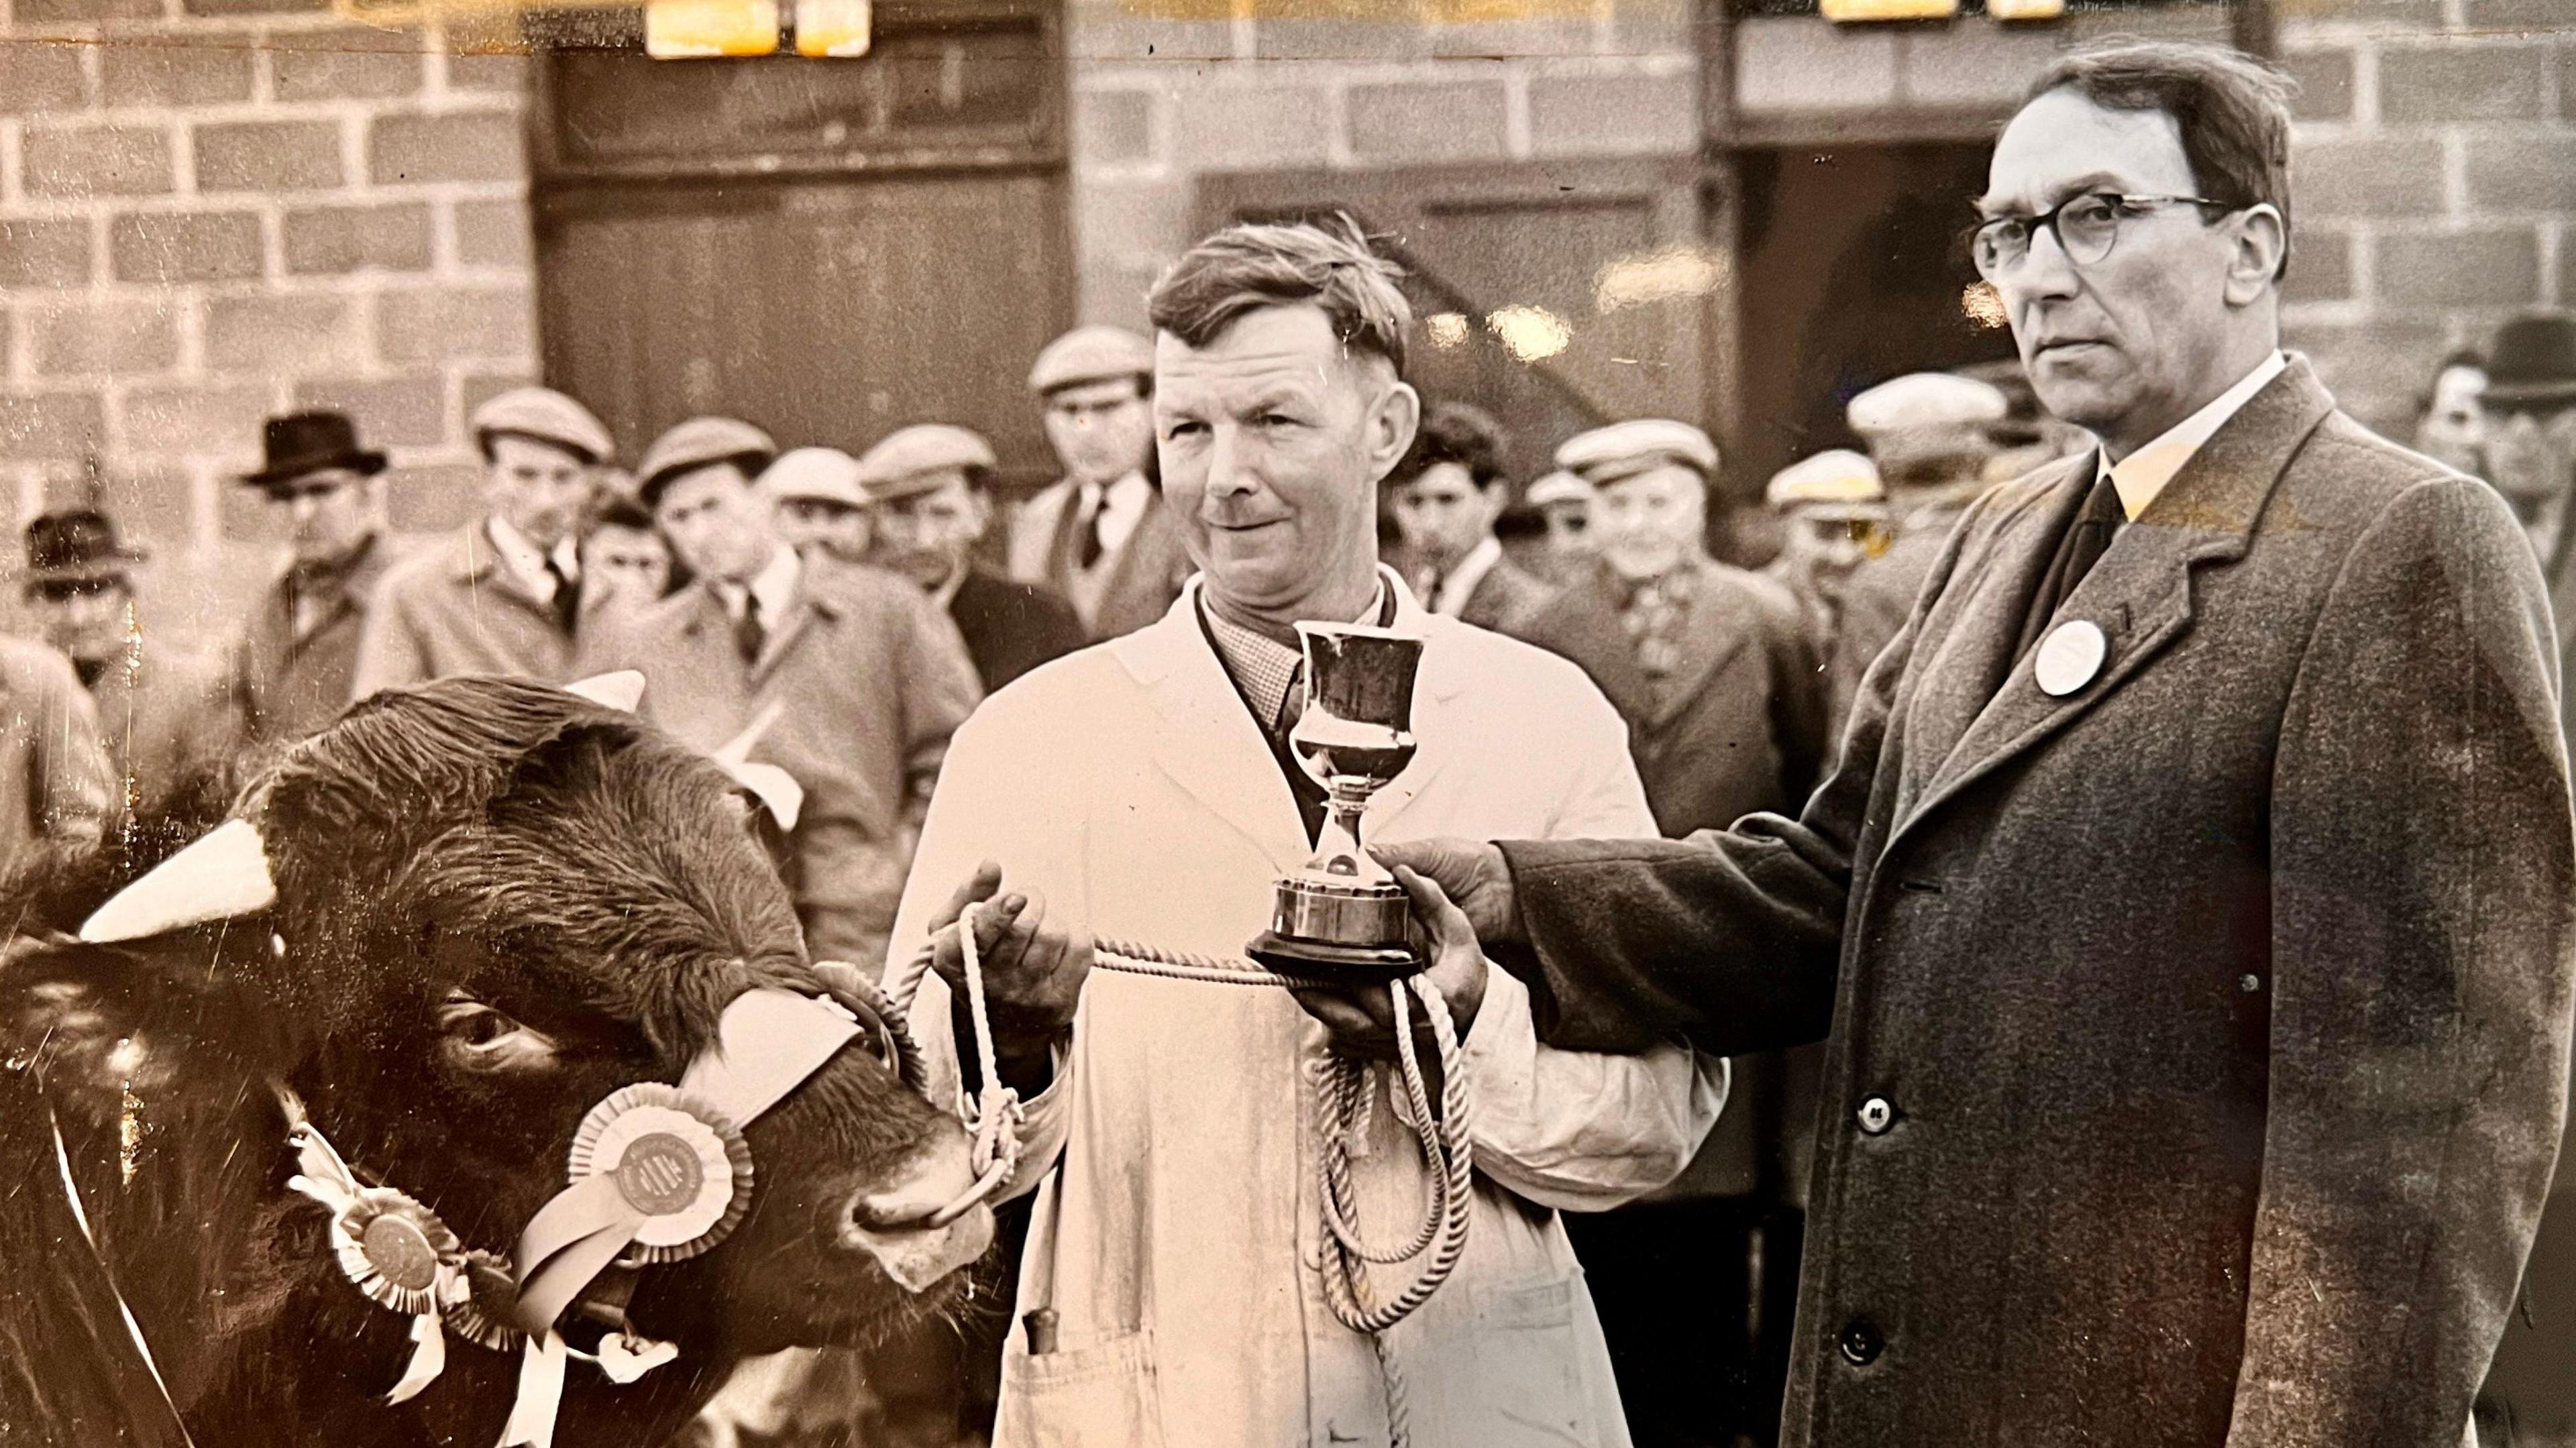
(833, 28)
(1844, 12)
(704, 29)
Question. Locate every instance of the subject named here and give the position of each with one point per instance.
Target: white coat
(1176, 1227)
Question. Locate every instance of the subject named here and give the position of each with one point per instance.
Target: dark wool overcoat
(2198, 1040)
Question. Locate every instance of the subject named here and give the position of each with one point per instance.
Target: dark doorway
(1854, 271)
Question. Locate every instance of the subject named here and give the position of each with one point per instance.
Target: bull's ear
(101, 1025)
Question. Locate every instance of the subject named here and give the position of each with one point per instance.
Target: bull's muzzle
(891, 1221)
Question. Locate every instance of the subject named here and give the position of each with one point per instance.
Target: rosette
(678, 1163)
(483, 1317)
(398, 1252)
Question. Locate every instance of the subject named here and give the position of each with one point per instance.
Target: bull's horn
(775, 788)
(619, 691)
(222, 875)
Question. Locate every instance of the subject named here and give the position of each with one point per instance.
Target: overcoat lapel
(1436, 692)
(802, 615)
(1702, 651)
(2140, 593)
(1202, 736)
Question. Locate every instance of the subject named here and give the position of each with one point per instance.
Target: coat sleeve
(2423, 881)
(939, 690)
(1730, 939)
(75, 789)
(993, 780)
(390, 654)
(1583, 1130)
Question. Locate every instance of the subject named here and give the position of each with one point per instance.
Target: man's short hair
(1456, 432)
(1245, 268)
(2233, 109)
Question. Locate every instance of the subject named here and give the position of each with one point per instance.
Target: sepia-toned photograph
(1287, 723)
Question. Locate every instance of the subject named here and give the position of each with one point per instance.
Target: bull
(482, 908)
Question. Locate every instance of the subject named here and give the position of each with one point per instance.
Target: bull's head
(453, 924)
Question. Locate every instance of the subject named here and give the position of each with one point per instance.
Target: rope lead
(994, 1115)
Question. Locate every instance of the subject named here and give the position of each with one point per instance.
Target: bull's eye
(484, 1039)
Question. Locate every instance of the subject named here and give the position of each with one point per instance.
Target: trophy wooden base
(1339, 928)
(1289, 955)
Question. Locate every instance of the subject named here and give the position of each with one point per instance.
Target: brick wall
(211, 210)
(2435, 167)
(1159, 101)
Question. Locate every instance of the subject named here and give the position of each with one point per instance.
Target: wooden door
(829, 248)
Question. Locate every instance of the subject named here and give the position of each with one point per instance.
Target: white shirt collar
(1459, 583)
(1122, 507)
(526, 561)
(774, 585)
(2143, 474)
(1265, 668)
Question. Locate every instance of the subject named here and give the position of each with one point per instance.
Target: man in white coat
(1140, 790)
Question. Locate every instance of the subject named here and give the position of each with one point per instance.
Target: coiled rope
(993, 1114)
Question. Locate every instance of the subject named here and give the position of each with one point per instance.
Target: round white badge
(2069, 657)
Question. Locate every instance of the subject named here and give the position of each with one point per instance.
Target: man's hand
(1470, 872)
(1361, 1019)
(1033, 974)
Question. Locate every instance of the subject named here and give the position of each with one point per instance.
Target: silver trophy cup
(1342, 913)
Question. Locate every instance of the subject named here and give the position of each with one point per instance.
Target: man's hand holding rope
(1361, 1018)
(1033, 975)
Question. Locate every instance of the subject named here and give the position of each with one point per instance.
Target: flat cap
(1558, 487)
(548, 416)
(911, 459)
(1090, 354)
(815, 475)
(1926, 399)
(1837, 477)
(1625, 449)
(696, 443)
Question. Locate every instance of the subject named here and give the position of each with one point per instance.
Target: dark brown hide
(595, 889)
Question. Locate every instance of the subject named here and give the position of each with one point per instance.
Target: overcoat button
(1861, 1343)
(2249, 983)
(1876, 1115)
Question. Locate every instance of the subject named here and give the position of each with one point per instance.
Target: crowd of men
(837, 620)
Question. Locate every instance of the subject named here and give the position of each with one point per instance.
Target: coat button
(1876, 1115)
(1861, 1343)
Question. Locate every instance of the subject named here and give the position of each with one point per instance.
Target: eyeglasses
(2086, 226)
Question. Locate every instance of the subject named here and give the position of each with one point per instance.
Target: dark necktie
(1089, 547)
(748, 633)
(567, 596)
(2096, 523)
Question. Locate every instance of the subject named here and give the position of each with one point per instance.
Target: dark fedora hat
(78, 545)
(308, 442)
(2533, 360)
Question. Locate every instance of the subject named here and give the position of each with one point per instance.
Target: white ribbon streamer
(541, 1385)
(428, 1358)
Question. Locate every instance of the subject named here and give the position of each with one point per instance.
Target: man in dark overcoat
(1710, 665)
(297, 654)
(2191, 908)
(930, 487)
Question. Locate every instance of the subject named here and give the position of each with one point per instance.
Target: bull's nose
(889, 1221)
(931, 1180)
